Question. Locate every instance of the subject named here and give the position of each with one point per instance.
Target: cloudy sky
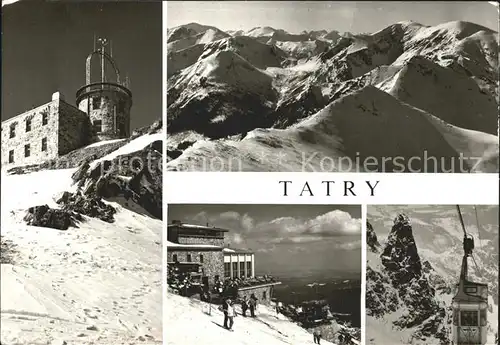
(45, 44)
(286, 238)
(356, 17)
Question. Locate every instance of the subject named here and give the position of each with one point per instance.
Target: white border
(364, 211)
(164, 164)
(265, 188)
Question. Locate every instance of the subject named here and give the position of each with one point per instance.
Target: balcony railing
(96, 87)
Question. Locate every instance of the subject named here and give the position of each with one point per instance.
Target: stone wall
(74, 128)
(213, 261)
(201, 240)
(107, 104)
(33, 138)
(258, 291)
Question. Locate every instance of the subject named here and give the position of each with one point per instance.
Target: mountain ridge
(421, 66)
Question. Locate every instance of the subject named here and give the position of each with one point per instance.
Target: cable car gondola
(470, 303)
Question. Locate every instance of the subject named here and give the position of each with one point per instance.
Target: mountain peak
(400, 256)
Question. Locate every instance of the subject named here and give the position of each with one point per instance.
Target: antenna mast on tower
(103, 43)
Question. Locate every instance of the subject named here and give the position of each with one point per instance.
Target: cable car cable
(477, 225)
(461, 220)
(477, 267)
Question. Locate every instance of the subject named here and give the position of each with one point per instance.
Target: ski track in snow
(99, 283)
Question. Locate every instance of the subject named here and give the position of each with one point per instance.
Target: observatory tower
(107, 102)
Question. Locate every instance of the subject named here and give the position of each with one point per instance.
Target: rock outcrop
(46, 217)
(406, 285)
(136, 176)
(371, 238)
(88, 205)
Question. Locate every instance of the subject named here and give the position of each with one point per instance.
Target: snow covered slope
(97, 283)
(188, 322)
(348, 127)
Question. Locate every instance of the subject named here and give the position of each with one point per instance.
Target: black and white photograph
(263, 274)
(432, 274)
(332, 86)
(81, 185)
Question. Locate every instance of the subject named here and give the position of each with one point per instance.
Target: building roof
(194, 226)
(178, 246)
(229, 251)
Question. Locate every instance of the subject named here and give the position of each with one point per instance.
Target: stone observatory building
(107, 103)
(56, 128)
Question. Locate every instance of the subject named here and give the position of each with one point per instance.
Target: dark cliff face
(405, 283)
(371, 238)
(400, 254)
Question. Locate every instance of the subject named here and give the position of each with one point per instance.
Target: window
(242, 269)
(201, 258)
(45, 119)
(44, 144)
(96, 102)
(227, 270)
(97, 126)
(121, 128)
(483, 318)
(121, 108)
(468, 318)
(11, 156)
(12, 131)
(189, 258)
(174, 257)
(28, 125)
(471, 289)
(235, 270)
(27, 150)
(455, 317)
(249, 269)
(264, 294)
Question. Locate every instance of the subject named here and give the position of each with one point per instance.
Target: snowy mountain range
(81, 246)
(264, 99)
(413, 263)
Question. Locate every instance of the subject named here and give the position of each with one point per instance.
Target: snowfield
(188, 322)
(135, 145)
(100, 283)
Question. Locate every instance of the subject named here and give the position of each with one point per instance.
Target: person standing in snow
(317, 336)
(231, 314)
(279, 305)
(225, 307)
(244, 306)
(253, 305)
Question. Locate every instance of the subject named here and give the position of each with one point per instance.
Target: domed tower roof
(107, 100)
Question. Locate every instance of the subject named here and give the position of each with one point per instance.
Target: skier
(225, 308)
(244, 306)
(279, 306)
(317, 336)
(253, 305)
(231, 314)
